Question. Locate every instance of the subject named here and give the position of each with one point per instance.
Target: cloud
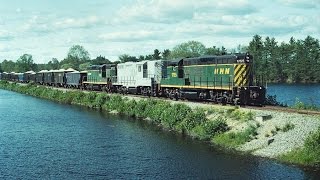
(130, 36)
(5, 36)
(303, 4)
(50, 23)
(86, 22)
(169, 11)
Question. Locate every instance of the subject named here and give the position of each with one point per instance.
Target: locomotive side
(221, 79)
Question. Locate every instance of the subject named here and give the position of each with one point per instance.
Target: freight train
(221, 79)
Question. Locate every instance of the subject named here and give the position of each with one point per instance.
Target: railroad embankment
(288, 137)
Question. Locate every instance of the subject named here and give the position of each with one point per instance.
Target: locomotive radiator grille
(241, 74)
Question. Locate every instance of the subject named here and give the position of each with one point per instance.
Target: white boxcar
(139, 76)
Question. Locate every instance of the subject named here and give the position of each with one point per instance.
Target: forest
(295, 61)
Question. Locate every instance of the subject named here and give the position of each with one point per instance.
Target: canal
(291, 93)
(40, 139)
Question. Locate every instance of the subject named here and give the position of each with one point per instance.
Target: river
(40, 139)
(290, 93)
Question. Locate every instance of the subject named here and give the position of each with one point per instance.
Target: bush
(287, 127)
(235, 139)
(309, 154)
(215, 127)
(194, 118)
(237, 114)
(199, 132)
(303, 106)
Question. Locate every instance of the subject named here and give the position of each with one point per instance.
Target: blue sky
(48, 28)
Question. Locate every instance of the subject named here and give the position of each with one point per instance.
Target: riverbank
(263, 133)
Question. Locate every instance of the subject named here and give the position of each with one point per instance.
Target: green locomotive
(222, 79)
(101, 77)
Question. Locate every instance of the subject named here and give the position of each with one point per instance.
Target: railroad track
(268, 107)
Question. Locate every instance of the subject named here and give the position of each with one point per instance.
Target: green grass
(309, 154)
(304, 106)
(235, 139)
(287, 127)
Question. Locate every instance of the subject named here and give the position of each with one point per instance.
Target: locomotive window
(104, 73)
(145, 70)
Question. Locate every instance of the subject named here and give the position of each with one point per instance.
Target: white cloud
(86, 22)
(169, 11)
(5, 35)
(126, 36)
(301, 3)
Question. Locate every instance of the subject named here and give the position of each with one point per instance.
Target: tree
(8, 66)
(100, 60)
(25, 63)
(78, 52)
(141, 58)
(53, 64)
(84, 66)
(213, 51)
(76, 56)
(126, 58)
(156, 54)
(148, 57)
(68, 65)
(256, 49)
(188, 49)
(166, 54)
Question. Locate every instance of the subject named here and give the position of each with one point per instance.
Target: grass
(309, 154)
(304, 106)
(235, 139)
(287, 127)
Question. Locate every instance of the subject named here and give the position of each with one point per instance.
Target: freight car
(75, 79)
(59, 77)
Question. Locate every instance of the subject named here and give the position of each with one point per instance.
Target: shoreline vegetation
(291, 138)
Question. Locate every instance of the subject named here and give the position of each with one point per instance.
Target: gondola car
(59, 77)
(223, 79)
(20, 77)
(40, 76)
(75, 79)
(30, 76)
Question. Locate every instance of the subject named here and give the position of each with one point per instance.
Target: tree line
(292, 62)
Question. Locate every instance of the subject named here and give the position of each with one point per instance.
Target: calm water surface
(40, 139)
(289, 93)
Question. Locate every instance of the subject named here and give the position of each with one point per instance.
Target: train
(225, 79)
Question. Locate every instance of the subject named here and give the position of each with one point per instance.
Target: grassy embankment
(214, 124)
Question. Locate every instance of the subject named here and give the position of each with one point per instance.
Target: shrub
(176, 114)
(215, 127)
(287, 127)
(303, 106)
(199, 132)
(235, 139)
(100, 100)
(309, 154)
(194, 118)
(237, 114)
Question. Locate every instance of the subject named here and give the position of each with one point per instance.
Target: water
(40, 139)
(289, 93)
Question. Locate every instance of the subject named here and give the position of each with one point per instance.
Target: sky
(46, 29)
